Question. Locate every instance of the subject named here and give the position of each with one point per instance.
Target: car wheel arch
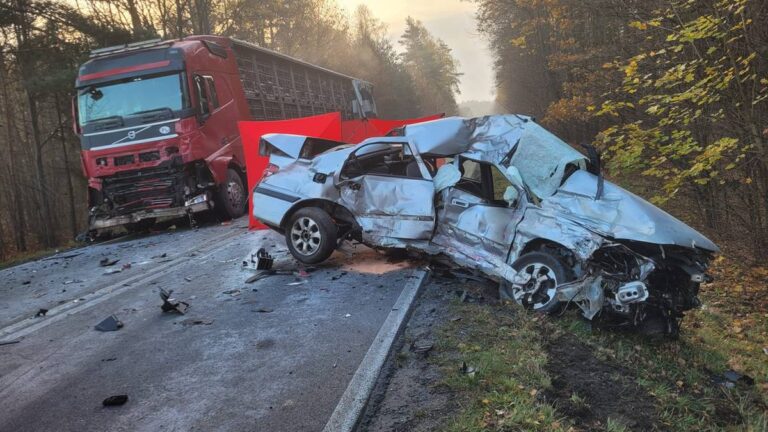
(334, 209)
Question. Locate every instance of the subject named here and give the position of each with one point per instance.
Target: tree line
(43, 199)
(674, 93)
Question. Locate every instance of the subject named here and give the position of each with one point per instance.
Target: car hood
(621, 214)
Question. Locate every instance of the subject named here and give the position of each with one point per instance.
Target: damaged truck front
(510, 200)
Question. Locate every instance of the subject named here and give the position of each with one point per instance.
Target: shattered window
(500, 184)
(388, 159)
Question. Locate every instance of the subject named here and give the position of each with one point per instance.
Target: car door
(474, 213)
(389, 190)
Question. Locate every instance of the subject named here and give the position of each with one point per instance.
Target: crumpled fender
(545, 224)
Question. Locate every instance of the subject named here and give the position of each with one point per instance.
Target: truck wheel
(231, 199)
(311, 235)
(539, 274)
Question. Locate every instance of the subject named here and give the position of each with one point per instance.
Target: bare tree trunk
(16, 210)
(68, 174)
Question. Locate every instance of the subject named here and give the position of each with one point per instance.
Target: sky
(450, 20)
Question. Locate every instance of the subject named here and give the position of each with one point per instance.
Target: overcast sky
(452, 21)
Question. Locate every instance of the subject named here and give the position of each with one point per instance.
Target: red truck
(158, 119)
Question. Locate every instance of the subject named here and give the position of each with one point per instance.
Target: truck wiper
(164, 112)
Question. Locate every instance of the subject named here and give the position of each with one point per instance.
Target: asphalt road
(274, 355)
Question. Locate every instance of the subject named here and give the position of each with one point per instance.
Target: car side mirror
(511, 194)
(513, 174)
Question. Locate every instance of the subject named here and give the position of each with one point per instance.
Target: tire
(551, 271)
(231, 198)
(311, 235)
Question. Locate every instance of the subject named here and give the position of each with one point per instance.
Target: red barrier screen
(327, 126)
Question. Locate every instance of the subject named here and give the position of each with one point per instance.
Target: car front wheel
(535, 285)
(311, 235)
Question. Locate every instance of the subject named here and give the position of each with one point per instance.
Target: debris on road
(233, 292)
(41, 313)
(264, 260)
(260, 275)
(26, 282)
(113, 271)
(422, 346)
(187, 278)
(468, 370)
(264, 310)
(163, 255)
(73, 281)
(126, 266)
(171, 304)
(730, 378)
(115, 400)
(10, 342)
(110, 323)
(57, 257)
(347, 315)
(107, 262)
(196, 321)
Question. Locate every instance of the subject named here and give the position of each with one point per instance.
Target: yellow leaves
(631, 68)
(519, 42)
(639, 25)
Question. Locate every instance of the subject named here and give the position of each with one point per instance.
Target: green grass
(507, 353)
(506, 346)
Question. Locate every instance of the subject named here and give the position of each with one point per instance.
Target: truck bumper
(101, 223)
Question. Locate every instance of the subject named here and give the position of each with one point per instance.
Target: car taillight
(268, 171)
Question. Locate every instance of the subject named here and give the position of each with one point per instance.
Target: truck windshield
(132, 96)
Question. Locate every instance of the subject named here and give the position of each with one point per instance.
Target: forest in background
(674, 93)
(43, 203)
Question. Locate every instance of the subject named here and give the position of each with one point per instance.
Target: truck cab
(158, 128)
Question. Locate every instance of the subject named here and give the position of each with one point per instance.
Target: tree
(432, 67)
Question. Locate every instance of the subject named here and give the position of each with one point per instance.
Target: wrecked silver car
(499, 194)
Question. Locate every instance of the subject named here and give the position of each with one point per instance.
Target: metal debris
(196, 321)
(264, 260)
(468, 370)
(171, 304)
(115, 400)
(107, 262)
(111, 323)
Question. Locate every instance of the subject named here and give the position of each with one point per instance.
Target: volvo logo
(131, 134)
(165, 130)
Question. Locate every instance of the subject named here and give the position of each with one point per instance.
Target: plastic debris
(264, 310)
(264, 260)
(111, 323)
(196, 321)
(113, 271)
(115, 400)
(107, 262)
(41, 313)
(171, 304)
(468, 370)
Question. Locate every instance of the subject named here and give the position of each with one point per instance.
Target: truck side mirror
(75, 120)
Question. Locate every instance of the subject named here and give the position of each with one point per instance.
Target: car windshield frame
(148, 93)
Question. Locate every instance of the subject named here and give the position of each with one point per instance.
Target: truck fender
(220, 165)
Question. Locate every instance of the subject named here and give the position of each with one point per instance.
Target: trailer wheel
(311, 235)
(231, 199)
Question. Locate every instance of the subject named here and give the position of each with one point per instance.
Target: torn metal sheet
(509, 199)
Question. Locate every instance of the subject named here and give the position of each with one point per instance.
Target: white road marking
(55, 314)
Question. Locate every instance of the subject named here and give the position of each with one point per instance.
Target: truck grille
(146, 189)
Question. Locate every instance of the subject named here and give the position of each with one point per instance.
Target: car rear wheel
(311, 235)
(535, 286)
(231, 198)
